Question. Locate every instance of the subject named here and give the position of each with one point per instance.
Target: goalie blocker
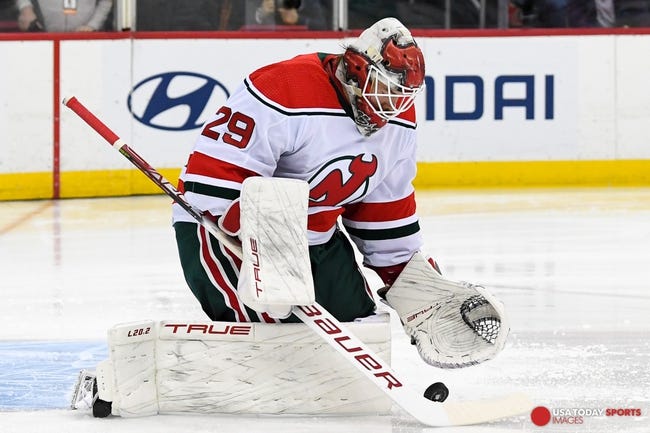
(222, 367)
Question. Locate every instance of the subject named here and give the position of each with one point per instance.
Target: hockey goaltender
(308, 159)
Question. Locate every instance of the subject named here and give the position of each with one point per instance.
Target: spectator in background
(190, 15)
(632, 13)
(8, 14)
(591, 13)
(462, 14)
(542, 13)
(363, 13)
(566, 13)
(305, 13)
(63, 15)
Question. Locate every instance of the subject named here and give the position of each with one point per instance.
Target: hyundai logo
(175, 101)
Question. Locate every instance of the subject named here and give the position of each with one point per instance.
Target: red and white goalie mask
(382, 72)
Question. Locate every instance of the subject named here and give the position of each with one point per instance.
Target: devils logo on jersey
(342, 180)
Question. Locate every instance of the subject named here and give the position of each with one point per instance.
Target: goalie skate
(85, 391)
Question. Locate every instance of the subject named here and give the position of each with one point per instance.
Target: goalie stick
(328, 327)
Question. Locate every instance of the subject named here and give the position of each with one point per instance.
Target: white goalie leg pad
(105, 380)
(454, 324)
(132, 355)
(254, 368)
(276, 271)
(262, 368)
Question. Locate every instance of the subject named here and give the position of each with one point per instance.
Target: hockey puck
(436, 392)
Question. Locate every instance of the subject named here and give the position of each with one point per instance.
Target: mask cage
(386, 95)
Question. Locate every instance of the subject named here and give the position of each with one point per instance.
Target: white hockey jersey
(287, 120)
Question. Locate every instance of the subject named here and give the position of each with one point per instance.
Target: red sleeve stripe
(323, 221)
(204, 165)
(378, 212)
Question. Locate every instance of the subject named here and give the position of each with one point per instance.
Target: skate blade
(83, 387)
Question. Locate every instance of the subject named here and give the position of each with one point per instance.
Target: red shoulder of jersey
(300, 82)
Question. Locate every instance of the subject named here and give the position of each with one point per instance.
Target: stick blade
(486, 410)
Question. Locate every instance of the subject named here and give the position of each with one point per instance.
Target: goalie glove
(453, 324)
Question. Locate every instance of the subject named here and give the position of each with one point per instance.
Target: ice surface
(572, 267)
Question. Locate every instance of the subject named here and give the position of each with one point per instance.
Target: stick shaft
(114, 140)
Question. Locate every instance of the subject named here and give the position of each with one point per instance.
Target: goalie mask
(382, 72)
